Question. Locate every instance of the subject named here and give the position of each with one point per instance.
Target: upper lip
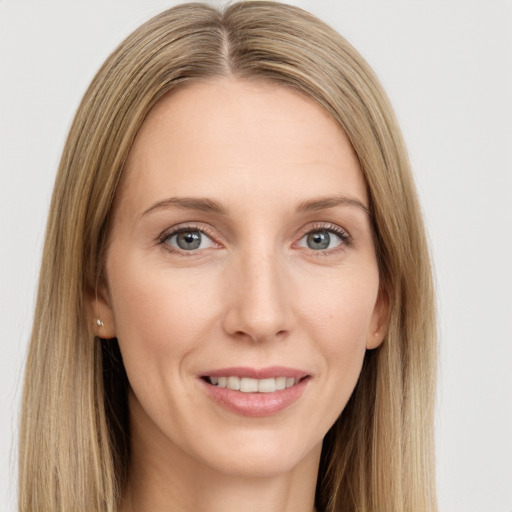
(257, 373)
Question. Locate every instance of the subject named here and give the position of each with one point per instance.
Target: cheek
(340, 318)
(341, 309)
(160, 315)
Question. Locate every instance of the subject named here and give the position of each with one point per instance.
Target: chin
(268, 456)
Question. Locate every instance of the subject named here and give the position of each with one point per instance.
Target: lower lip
(256, 404)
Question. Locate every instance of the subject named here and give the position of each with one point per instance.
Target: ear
(379, 321)
(100, 313)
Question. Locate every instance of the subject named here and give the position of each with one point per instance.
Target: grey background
(447, 66)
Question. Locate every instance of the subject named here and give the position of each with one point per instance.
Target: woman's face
(241, 256)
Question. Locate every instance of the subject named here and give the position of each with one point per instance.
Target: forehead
(232, 136)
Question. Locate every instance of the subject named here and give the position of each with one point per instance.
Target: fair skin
(240, 246)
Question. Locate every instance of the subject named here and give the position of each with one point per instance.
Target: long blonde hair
(74, 435)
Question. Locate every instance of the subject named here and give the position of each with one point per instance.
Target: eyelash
(346, 239)
(167, 235)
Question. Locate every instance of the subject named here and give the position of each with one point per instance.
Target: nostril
(261, 337)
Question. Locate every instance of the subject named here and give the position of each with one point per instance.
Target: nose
(259, 302)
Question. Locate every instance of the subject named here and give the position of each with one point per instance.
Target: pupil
(189, 240)
(319, 240)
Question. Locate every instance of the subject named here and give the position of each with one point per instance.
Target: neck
(174, 492)
(163, 478)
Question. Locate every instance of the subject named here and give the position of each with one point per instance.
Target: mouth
(250, 385)
(252, 392)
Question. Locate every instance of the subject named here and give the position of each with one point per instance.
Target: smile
(250, 385)
(255, 392)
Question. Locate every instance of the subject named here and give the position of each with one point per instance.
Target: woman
(235, 306)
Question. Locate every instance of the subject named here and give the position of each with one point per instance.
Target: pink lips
(256, 404)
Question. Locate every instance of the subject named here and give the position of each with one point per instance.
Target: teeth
(248, 385)
(233, 383)
(280, 383)
(267, 385)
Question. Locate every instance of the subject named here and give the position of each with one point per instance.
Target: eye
(323, 239)
(186, 239)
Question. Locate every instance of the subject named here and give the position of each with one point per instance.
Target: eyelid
(182, 228)
(342, 233)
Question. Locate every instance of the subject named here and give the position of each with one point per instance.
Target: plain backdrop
(447, 66)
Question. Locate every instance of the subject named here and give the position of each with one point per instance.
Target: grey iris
(188, 240)
(319, 240)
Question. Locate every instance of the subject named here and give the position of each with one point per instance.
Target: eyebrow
(211, 206)
(324, 203)
(188, 203)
